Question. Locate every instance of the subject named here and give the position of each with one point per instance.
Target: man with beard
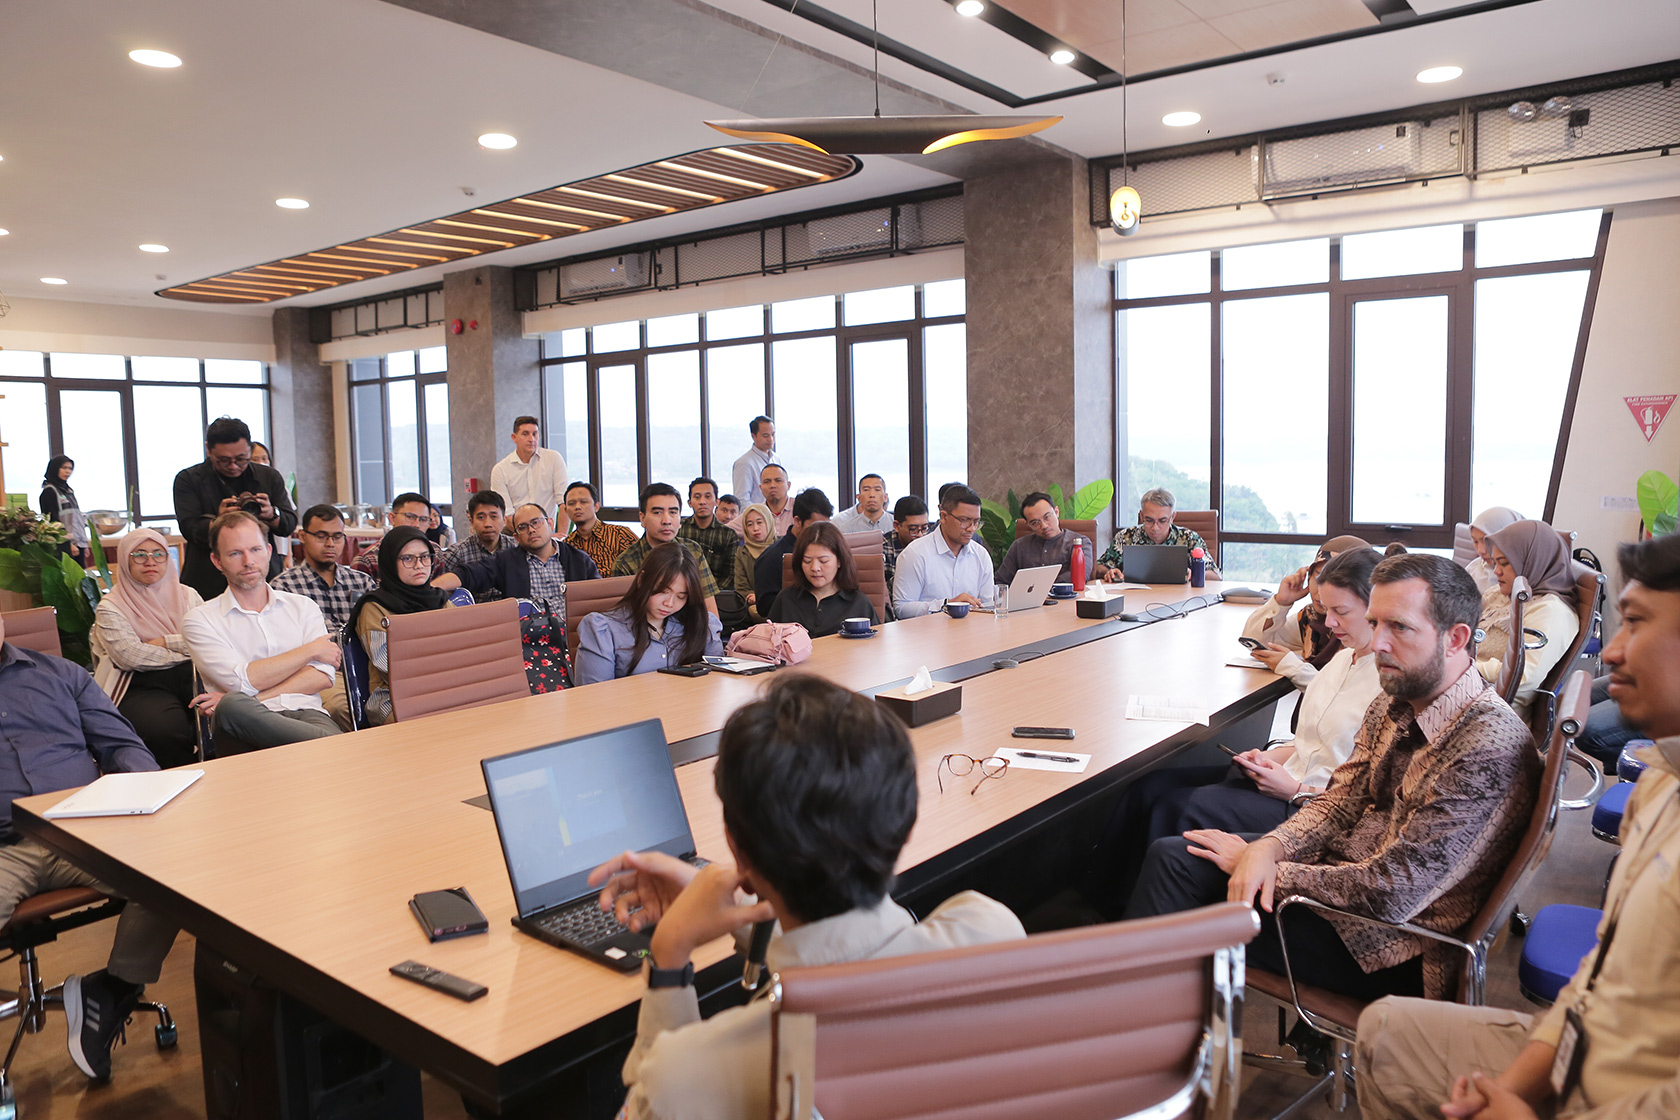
(1416, 826)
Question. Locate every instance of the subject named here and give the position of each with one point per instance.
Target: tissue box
(924, 707)
(1110, 607)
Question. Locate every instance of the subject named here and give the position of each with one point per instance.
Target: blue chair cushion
(1557, 940)
(1607, 814)
(1629, 768)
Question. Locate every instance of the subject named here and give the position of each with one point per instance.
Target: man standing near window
(227, 480)
(750, 466)
(531, 473)
(869, 515)
(716, 540)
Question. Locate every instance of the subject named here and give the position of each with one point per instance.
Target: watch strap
(670, 977)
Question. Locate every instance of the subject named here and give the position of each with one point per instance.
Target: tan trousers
(1410, 1050)
(142, 939)
(337, 702)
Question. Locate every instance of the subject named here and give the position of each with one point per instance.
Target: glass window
(399, 364)
(610, 337)
(434, 359)
(1270, 266)
(168, 438)
(250, 405)
(1526, 330)
(619, 474)
(404, 420)
(1263, 563)
(1276, 377)
(805, 412)
(945, 367)
(673, 395)
(880, 305)
(1163, 360)
(364, 369)
(570, 343)
(944, 297)
(814, 314)
(1544, 237)
(735, 394)
(566, 424)
(673, 330)
(1403, 252)
(1176, 274)
(735, 322)
(438, 486)
(881, 413)
(23, 426)
(99, 367)
(1400, 411)
(101, 472)
(369, 437)
(22, 363)
(232, 371)
(164, 369)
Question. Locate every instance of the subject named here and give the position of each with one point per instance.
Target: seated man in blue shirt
(948, 564)
(59, 730)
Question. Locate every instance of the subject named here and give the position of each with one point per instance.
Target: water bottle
(1198, 568)
(1078, 564)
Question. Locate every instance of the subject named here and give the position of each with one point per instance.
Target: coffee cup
(855, 625)
(957, 610)
(1062, 590)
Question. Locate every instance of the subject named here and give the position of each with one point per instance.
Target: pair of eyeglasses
(962, 765)
(916, 530)
(1038, 523)
(527, 526)
(415, 561)
(414, 518)
(231, 460)
(159, 557)
(325, 538)
(964, 522)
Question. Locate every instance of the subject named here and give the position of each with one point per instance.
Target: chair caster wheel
(167, 1037)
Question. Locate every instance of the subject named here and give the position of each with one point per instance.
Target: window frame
(384, 381)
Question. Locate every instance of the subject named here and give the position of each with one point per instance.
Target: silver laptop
(1031, 586)
(1155, 563)
(564, 809)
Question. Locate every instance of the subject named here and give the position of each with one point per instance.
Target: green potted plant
(31, 563)
(1659, 502)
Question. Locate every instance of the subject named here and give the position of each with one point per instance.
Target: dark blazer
(507, 570)
(199, 491)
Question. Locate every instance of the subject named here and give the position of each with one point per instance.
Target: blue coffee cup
(855, 625)
(957, 610)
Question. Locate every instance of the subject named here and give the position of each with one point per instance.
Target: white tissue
(921, 682)
(1096, 591)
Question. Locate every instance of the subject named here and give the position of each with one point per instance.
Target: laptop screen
(563, 809)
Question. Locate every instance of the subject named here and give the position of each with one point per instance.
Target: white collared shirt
(541, 482)
(225, 638)
(928, 572)
(1332, 711)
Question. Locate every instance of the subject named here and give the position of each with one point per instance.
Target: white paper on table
(1244, 661)
(1013, 755)
(1166, 709)
(921, 682)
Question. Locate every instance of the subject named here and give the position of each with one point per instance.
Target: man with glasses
(538, 570)
(947, 565)
(1046, 541)
(334, 587)
(909, 523)
(487, 513)
(410, 509)
(1155, 526)
(228, 480)
(661, 516)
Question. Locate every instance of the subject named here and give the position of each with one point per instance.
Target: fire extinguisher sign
(1649, 412)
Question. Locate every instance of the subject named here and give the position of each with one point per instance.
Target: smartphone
(697, 670)
(1252, 643)
(1232, 751)
(1043, 733)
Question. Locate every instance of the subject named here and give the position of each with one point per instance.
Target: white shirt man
(870, 514)
(531, 473)
(750, 465)
(946, 565)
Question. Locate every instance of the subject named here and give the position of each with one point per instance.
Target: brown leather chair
(36, 629)
(463, 657)
(1105, 1021)
(871, 574)
(1542, 711)
(1337, 1015)
(864, 543)
(585, 597)
(1516, 649)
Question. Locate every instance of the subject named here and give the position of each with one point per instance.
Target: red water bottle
(1198, 568)
(1078, 564)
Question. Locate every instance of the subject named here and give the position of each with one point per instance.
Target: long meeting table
(299, 861)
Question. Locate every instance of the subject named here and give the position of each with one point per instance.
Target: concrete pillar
(1040, 332)
(492, 374)
(301, 410)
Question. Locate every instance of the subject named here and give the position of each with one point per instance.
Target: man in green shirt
(661, 517)
(717, 541)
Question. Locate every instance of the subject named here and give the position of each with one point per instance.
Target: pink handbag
(785, 643)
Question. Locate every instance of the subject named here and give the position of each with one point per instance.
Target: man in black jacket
(538, 569)
(227, 480)
(810, 506)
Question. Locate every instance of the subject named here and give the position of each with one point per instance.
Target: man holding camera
(227, 480)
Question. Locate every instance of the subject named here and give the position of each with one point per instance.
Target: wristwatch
(670, 977)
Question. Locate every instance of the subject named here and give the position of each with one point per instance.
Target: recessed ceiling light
(292, 203)
(1181, 119)
(4, 232)
(1061, 56)
(1439, 74)
(162, 59)
(970, 7)
(498, 140)
(53, 280)
(149, 247)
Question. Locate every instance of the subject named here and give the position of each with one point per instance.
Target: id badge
(1571, 1051)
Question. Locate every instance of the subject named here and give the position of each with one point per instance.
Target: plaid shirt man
(335, 601)
(605, 545)
(630, 562)
(466, 551)
(718, 542)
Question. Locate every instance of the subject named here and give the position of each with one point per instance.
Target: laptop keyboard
(584, 923)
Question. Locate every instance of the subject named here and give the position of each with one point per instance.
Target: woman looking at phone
(661, 622)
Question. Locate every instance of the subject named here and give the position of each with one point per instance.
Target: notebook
(1156, 563)
(563, 809)
(125, 795)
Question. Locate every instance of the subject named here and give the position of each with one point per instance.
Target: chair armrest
(1587, 801)
(1539, 635)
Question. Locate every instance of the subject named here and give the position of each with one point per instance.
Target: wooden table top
(300, 860)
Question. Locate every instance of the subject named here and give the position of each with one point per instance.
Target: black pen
(1046, 757)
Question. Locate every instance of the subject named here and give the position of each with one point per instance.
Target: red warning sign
(1649, 412)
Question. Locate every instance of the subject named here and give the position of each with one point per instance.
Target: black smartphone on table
(1043, 733)
(696, 670)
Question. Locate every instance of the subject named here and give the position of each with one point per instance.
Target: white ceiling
(370, 111)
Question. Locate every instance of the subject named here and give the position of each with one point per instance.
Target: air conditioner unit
(607, 274)
(869, 231)
(1380, 154)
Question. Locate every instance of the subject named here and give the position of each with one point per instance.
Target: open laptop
(564, 809)
(1155, 563)
(1031, 586)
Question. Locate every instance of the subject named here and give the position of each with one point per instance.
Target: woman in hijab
(143, 663)
(758, 533)
(58, 503)
(1298, 643)
(1537, 552)
(437, 532)
(405, 572)
(1488, 522)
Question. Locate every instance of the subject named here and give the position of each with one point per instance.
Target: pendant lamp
(1125, 205)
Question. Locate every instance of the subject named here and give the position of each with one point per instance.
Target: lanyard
(1616, 914)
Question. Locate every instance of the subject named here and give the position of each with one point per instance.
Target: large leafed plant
(32, 563)
(997, 522)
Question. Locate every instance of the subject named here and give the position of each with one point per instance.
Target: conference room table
(299, 861)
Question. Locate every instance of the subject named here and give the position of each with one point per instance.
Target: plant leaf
(1092, 499)
(1058, 499)
(11, 572)
(99, 557)
(1658, 496)
(997, 529)
(1015, 506)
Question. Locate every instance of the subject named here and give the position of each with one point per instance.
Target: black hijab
(51, 478)
(392, 593)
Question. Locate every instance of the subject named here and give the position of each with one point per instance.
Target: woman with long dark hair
(405, 572)
(58, 503)
(662, 621)
(825, 586)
